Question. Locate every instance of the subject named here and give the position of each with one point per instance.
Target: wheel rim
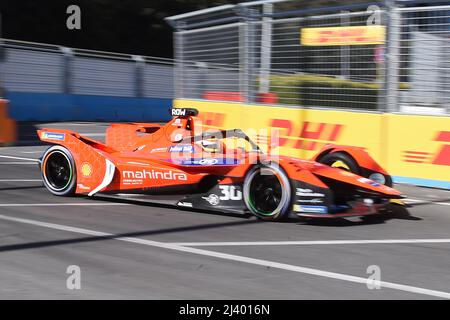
(57, 171)
(266, 195)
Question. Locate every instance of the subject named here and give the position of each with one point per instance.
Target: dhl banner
(414, 149)
(418, 149)
(343, 36)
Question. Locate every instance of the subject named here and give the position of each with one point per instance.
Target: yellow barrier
(7, 125)
(414, 149)
(419, 148)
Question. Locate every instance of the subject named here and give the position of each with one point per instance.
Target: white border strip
(81, 204)
(231, 257)
(301, 243)
(17, 163)
(19, 158)
(20, 180)
(109, 175)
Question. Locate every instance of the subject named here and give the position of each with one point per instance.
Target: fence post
(179, 60)
(345, 50)
(243, 66)
(392, 57)
(266, 48)
(2, 48)
(66, 72)
(139, 75)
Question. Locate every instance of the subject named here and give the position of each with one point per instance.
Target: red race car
(223, 170)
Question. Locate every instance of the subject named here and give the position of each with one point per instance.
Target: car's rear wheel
(267, 192)
(58, 171)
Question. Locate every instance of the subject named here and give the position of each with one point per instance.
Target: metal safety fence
(376, 57)
(423, 50)
(41, 68)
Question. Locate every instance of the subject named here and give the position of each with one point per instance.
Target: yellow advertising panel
(419, 149)
(301, 132)
(414, 149)
(343, 36)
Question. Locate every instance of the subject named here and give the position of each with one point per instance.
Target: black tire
(331, 159)
(58, 171)
(267, 192)
(337, 158)
(389, 181)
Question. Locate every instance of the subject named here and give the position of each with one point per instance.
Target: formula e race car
(222, 170)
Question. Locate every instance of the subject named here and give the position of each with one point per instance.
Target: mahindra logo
(146, 174)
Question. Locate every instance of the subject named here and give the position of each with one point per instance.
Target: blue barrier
(71, 107)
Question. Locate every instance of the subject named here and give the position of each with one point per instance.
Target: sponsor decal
(153, 175)
(177, 137)
(141, 147)
(213, 199)
(177, 122)
(310, 209)
(178, 112)
(369, 182)
(158, 150)
(182, 148)
(210, 162)
(343, 36)
(441, 157)
(309, 136)
(230, 193)
(54, 136)
(185, 204)
(83, 187)
(86, 170)
(308, 193)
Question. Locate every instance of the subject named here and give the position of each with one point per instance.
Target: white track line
(301, 243)
(442, 203)
(18, 163)
(20, 180)
(86, 204)
(426, 201)
(19, 158)
(231, 257)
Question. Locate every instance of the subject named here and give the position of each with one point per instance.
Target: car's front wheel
(58, 171)
(344, 161)
(341, 160)
(267, 192)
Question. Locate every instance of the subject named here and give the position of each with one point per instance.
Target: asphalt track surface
(127, 250)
